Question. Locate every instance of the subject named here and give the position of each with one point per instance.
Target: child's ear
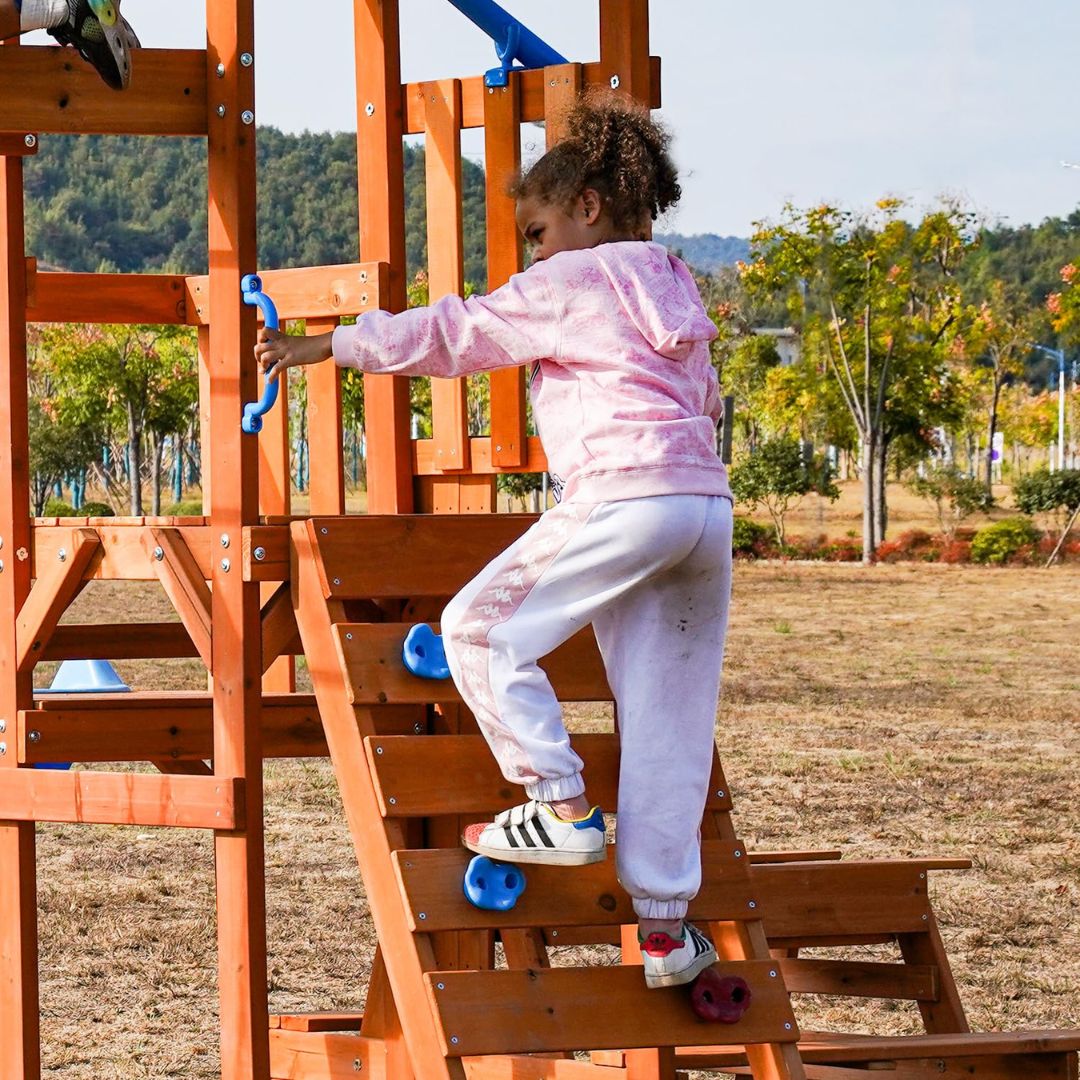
(592, 205)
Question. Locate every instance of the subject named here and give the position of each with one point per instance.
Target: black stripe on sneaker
(524, 831)
(546, 840)
(510, 837)
(700, 942)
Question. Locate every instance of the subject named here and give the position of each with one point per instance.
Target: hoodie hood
(659, 295)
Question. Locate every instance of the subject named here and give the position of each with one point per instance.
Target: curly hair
(614, 146)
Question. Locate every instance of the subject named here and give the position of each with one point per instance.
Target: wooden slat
(319, 1021)
(905, 982)
(946, 1011)
(122, 554)
(327, 490)
(57, 585)
(184, 584)
(156, 726)
(806, 900)
(502, 161)
(188, 802)
(274, 542)
(106, 298)
(118, 641)
(18, 144)
(557, 1009)
(308, 292)
(376, 674)
(474, 92)
(409, 554)
(280, 638)
(50, 89)
(482, 455)
(470, 781)
(591, 895)
(301, 1055)
(522, 1067)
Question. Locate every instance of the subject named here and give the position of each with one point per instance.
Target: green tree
(953, 495)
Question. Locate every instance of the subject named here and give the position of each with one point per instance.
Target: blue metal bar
(513, 40)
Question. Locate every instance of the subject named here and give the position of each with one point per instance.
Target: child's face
(551, 228)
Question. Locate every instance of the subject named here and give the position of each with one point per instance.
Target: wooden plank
(273, 542)
(555, 1009)
(321, 1021)
(301, 1055)
(371, 653)
(624, 46)
(184, 584)
(474, 92)
(946, 1011)
(18, 144)
(327, 492)
(20, 1054)
(470, 781)
(381, 183)
(446, 267)
(118, 641)
(279, 633)
(905, 982)
(502, 161)
(57, 585)
(409, 555)
(562, 85)
(47, 88)
(123, 555)
(803, 901)
(481, 454)
(236, 661)
(521, 1067)
(156, 726)
(306, 292)
(107, 298)
(185, 802)
(431, 879)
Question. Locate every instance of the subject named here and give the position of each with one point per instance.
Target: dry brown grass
(892, 710)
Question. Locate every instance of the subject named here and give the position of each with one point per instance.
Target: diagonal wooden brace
(57, 585)
(279, 631)
(183, 583)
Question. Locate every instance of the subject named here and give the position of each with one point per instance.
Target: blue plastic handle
(251, 289)
(423, 653)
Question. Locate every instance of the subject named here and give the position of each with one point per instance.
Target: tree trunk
(869, 476)
(991, 429)
(158, 442)
(135, 464)
(881, 507)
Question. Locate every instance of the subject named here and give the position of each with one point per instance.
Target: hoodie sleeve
(516, 324)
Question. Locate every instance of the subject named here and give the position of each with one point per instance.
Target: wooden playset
(456, 991)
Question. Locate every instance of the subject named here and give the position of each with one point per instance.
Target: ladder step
(601, 1008)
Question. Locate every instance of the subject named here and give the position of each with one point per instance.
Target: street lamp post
(1060, 354)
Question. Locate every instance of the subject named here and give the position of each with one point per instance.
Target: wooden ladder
(411, 775)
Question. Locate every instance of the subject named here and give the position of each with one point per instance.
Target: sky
(769, 101)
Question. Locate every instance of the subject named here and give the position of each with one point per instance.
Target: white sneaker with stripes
(673, 961)
(534, 833)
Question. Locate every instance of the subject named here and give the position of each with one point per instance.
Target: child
(626, 402)
(94, 27)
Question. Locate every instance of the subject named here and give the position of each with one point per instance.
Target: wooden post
(233, 464)
(324, 431)
(20, 1053)
(381, 179)
(624, 46)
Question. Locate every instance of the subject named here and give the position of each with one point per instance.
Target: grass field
(886, 711)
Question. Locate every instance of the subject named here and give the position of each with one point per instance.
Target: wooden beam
(903, 982)
(57, 585)
(482, 454)
(106, 298)
(279, 631)
(184, 584)
(18, 144)
(327, 491)
(562, 85)
(118, 641)
(123, 555)
(185, 802)
(320, 1055)
(624, 46)
(48, 88)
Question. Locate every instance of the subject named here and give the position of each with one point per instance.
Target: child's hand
(276, 351)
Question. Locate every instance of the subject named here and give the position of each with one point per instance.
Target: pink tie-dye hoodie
(623, 393)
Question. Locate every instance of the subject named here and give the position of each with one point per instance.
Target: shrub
(1044, 492)
(999, 542)
(59, 508)
(192, 508)
(97, 509)
(956, 551)
(748, 537)
(952, 494)
(913, 544)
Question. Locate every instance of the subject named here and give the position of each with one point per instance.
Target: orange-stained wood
(381, 179)
(57, 585)
(234, 469)
(279, 631)
(321, 1055)
(18, 144)
(854, 978)
(184, 584)
(502, 161)
(624, 46)
(118, 641)
(946, 1011)
(51, 89)
(106, 298)
(122, 554)
(562, 84)
(203, 356)
(187, 802)
(20, 1055)
(482, 453)
(324, 430)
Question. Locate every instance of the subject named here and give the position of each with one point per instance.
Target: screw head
(422, 915)
(247, 116)
(3, 748)
(34, 736)
(225, 541)
(221, 110)
(226, 565)
(738, 854)
(259, 553)
(752, 904)
(772, 974)
(348, 637)
(159, 554)
(30, 141)
(719, 794)
(62, 555)
(3, 726)
(787, 1026)
(369, 108)
(378, 749)
(417, 728)
(246, 59)
(614, 82)
(324, 530)
(393, 802)
(337, 581)
(454, 1040)
(440, 986)
(221, 71)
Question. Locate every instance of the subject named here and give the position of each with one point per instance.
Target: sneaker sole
(538, 856)
(687, 975)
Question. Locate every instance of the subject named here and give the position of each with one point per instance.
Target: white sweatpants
(653, 576)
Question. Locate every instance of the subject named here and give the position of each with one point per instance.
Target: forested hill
(706, 252)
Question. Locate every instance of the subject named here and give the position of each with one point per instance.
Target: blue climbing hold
(493, 886)
(82, 677)
(423, 653)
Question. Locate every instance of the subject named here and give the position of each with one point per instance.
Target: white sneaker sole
(679, 978)
(544, 856)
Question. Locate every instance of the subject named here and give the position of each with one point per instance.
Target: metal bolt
(246, 59)
(363, 275)
(369, 108)
(1, 541)
(738, 854)
(554, 933)
(921, 876)
(247, 116)
(787, 1027)
(348, 637)
(221, 71)
(159, 554)
(221, 110)
(454, 1040)
(1, 566)
(772, 974)
(498, 448)
(3, 726)
(34, 736)
(614, 82)
(418, 728)
(752, 904)
(393, 802)
(62, 555)
(30, 140)
(226, 565)
(422, 915)
(357, 1065)
(378, 749)
(225, 541)
(719, 794)
(440, 986)
(3, 748)
(337, 581)
(259, 553)
(324, 530)
(926, 918)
